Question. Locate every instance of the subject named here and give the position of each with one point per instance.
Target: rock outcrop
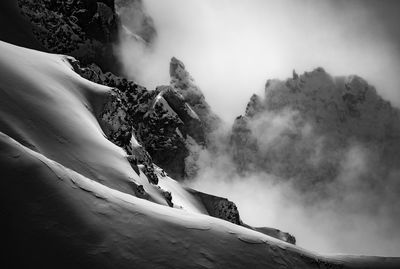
(163, 120)
(183, 82)
(160, 120)
(219, 207)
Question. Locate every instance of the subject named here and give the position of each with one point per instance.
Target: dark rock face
(307, 126)
(115, 121)
(202, 128)
(192, 125)
(183, 82)
(219, 207)
(84, 29)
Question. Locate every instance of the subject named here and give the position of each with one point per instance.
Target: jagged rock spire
(183, 82)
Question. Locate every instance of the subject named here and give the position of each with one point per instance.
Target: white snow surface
(67, 181)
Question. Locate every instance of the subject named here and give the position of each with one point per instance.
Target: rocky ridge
(304, 127)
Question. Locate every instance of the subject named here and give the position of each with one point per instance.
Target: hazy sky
(232, 47)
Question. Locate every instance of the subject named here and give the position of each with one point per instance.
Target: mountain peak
(174, 65)
(184, 83)
(181, 79)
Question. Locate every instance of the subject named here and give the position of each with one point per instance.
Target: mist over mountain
(233, 47)
(154, 134)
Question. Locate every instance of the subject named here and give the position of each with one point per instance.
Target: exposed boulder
(218, 207)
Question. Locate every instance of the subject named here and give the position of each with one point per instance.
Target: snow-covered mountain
(89, 158)
(72, 198)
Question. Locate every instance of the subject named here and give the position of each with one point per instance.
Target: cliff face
(305, 128)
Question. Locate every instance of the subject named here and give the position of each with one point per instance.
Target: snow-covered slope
(57, 217)
(69, 194)
(46, 106)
